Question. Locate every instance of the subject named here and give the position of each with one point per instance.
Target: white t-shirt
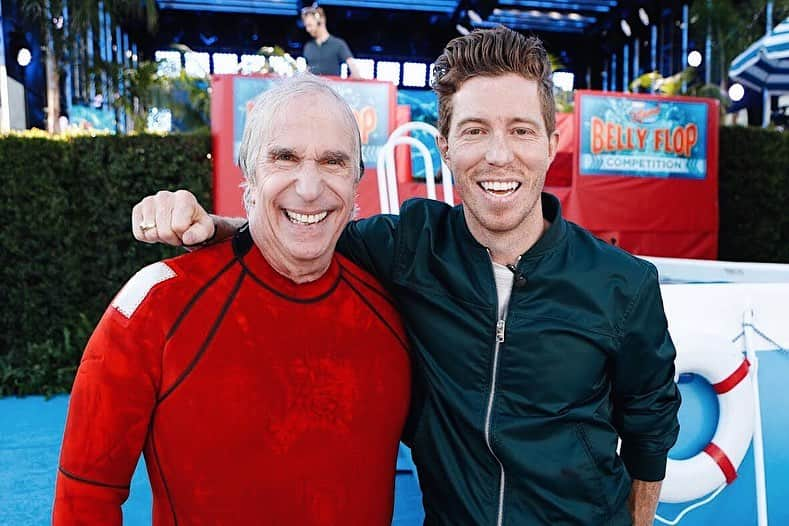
(504, 278)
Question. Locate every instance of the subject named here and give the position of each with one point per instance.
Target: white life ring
(718, 461)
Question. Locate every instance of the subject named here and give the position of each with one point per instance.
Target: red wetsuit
(253, 399)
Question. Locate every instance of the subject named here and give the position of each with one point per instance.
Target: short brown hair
(490, 53)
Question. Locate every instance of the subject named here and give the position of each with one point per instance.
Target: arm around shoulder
(372, 244)
(224, 227)
(176, 218)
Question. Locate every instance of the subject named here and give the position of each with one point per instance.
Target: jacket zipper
(500, 328)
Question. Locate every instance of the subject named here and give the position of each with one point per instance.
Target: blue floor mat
(30, 433)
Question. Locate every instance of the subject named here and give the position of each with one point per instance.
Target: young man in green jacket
(536, 347)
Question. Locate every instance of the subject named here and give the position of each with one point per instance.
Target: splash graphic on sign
(643, 138)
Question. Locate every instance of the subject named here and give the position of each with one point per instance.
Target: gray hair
(265, 107)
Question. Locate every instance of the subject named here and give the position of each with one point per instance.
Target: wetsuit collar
(250, 257)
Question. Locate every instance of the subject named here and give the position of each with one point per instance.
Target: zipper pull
(500, 331)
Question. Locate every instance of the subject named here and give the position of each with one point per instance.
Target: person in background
(536, 346)
(325, 53)
(265, 379)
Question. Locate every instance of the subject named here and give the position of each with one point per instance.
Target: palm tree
(732, 25)
(63, 22)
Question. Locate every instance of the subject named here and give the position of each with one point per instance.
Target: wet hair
(491, 53)
(260, 118)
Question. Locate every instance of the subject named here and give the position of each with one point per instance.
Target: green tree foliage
(754, 192)
(61, 34)
(733, 26)
(66, 245)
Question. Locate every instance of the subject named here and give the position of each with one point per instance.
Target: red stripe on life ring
(723, 462)
(731, 381)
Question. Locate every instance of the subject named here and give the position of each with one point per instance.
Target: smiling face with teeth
(302, 196)
(499, 150)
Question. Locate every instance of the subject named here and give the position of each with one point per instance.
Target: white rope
(778, 346)
(690, 508)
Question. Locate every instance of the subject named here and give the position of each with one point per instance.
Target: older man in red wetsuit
(265, 379)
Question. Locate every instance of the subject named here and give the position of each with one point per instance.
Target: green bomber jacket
(516, 421)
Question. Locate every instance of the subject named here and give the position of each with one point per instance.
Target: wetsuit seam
(375, 312)
(189, 368)
(191, 303)
(91, 482)
(286, 297)
(159, 466)
(183, 376)
(383, 295)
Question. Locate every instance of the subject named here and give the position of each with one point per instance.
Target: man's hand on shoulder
(174, 218)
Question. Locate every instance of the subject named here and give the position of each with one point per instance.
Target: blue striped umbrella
(765, 64)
